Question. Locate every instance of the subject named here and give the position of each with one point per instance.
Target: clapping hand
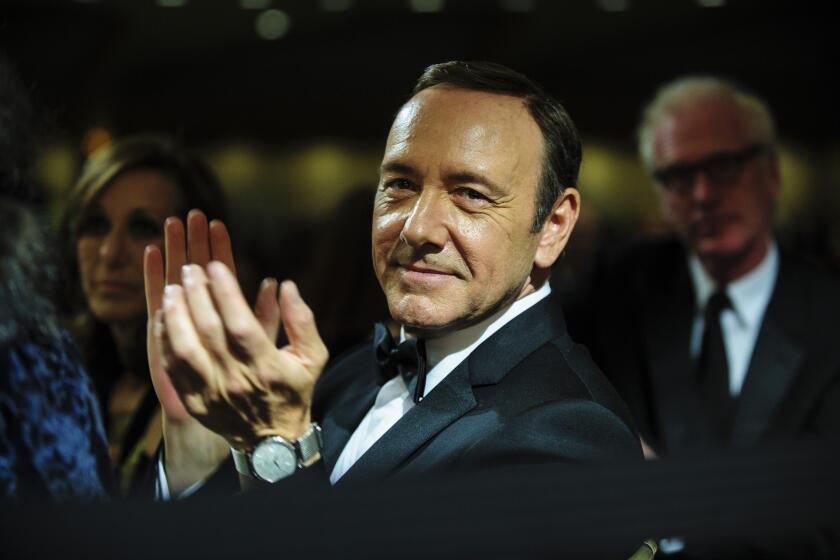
(214, 361)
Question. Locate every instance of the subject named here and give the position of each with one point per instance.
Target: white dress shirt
(442, 356)
(393, 400)
(741, 323)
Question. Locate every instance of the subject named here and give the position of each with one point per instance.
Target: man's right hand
(193, 452)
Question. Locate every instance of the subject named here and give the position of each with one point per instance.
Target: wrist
(191, 453)
(288, 426)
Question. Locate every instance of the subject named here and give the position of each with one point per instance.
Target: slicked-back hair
(562, 146)
(686, 91)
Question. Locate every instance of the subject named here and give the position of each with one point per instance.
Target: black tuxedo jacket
(527, 394)
(637, 321)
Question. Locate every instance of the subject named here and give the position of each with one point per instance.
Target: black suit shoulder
(554, 405)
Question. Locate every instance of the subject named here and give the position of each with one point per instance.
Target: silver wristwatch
(274, 458)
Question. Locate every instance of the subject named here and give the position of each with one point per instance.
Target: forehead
(139, 188)
(445, 126)
(699, 129)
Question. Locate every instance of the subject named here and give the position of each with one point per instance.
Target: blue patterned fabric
(52, 442)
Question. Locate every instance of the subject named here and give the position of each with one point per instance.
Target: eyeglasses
(720, 169)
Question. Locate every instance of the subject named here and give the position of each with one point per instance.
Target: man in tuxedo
(475, 202)
(715, 337)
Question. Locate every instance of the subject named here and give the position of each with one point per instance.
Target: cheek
(673, 210)
(385, 232)
(87, 252)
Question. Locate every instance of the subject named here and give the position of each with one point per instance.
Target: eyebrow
(456, 177)
(396, 167)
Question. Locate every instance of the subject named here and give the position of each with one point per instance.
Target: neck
(727, 269)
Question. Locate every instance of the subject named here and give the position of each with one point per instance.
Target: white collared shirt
(740, 324)
(442, 356)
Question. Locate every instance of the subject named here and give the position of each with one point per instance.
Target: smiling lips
(423, 274)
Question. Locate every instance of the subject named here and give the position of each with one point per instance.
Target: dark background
(202, 70)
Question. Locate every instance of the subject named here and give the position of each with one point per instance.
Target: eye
(93, 225)
(142, 227)
(400, 184)
(471, 194)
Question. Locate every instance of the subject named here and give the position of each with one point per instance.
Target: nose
(427, 224)
(113, 251)
(703, 191)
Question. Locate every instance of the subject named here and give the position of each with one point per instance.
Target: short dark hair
(561, 160)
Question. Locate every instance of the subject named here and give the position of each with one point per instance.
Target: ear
(557, 228)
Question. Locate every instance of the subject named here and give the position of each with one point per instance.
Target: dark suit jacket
(527, 394)
(637, 321)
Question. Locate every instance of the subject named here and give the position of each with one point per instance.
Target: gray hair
(682, 92)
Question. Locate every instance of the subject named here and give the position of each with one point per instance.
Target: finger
(238, 319)
(169, 399)
(267, 308)
(299, 323)
(176, 249)
(221, 248)
(153, 279)
(205, 318)
(198, 238)
(186, 359)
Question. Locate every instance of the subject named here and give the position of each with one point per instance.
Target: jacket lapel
(774, 363)
(342, 420)
(447, 402)
(667, 332)
(453, 397)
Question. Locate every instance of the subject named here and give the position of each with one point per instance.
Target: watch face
(273, 460)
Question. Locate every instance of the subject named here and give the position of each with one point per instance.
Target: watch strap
(308, 445)
(242, 462)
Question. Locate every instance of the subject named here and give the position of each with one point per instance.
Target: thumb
(299, 324)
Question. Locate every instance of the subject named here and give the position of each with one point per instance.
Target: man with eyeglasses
(715, 337)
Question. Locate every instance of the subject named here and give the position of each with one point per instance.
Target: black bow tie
(407, 359)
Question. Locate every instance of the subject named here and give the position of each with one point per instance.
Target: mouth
(114, 286)
(424, 269)
(710, 224)
(419, 273)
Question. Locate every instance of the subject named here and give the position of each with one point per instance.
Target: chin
(419, 313)
(723, 247)
(117, 313)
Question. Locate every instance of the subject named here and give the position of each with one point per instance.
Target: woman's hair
(197, 187)
(27, 266)
(27, 311)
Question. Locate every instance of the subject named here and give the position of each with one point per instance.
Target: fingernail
(292, 290)
(216, 270)
(187, 275)
(267, 282)
(168, 291)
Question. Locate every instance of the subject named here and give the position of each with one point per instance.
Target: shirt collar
(749, 294)
(462, 342)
